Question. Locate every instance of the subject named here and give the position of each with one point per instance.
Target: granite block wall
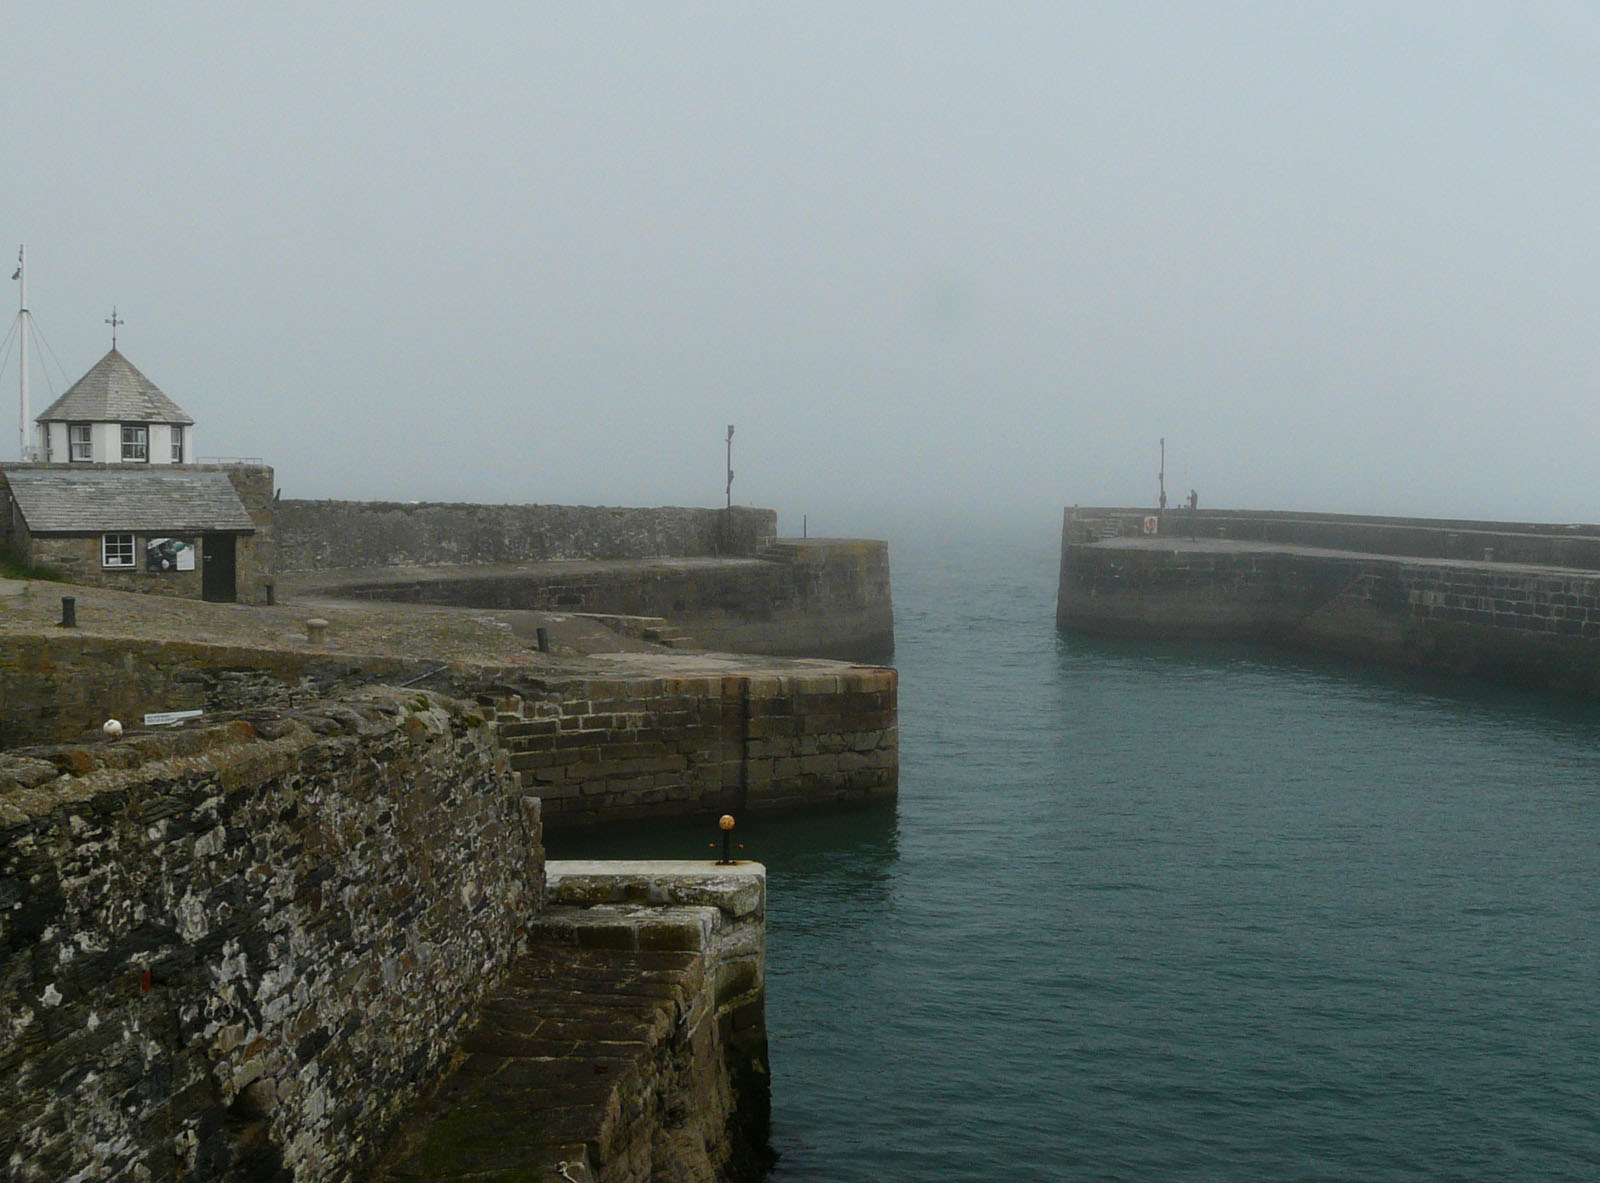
(606, 750)
(237, 952)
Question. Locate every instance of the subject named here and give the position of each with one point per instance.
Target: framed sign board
(169, 554)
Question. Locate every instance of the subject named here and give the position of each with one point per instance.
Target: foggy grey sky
(928, 257)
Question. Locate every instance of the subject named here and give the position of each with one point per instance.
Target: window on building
(177, 444)
(116, 550)
(135, 443)
(80, 441)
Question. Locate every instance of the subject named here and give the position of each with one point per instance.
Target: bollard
(69, 612)
(542, 635)
(272, 594)
(316, 630)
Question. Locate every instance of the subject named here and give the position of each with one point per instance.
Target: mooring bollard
(69, 612)
(272, 594)
(316, 630)
(542, 636)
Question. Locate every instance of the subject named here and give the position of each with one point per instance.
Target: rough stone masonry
(239, 951)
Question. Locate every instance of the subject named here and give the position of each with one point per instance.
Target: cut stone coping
(644, 928)
(738, 890)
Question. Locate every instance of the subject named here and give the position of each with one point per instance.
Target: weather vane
(114, 321)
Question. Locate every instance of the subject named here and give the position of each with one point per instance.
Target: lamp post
(727, 511)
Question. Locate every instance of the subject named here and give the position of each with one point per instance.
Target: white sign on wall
(161, 718)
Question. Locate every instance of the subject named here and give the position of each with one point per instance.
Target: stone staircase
(625, 1045)
(656, 629)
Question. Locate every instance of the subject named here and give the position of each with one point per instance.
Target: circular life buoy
(1151, 524)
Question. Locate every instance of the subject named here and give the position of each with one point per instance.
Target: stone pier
(1508, 601)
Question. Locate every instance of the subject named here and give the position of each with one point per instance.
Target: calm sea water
(1182, 912)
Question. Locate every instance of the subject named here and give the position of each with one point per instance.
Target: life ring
(1151, 523)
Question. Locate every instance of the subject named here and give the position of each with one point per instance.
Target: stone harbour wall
(239, 951)
(801, 598)
(603, 750)
(735, 735)
(1509, 622)
(834, 601)
(320, 535)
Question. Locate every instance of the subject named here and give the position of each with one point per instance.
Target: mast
(24, 452)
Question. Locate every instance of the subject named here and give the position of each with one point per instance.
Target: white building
(115, 415)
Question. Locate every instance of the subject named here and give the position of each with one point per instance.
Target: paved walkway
(580, 645)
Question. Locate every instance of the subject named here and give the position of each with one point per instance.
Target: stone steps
(566, 1056)
(604, 1056)
(655, 629)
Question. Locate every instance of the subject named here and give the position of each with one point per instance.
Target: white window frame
(74, 443)
(177, 443)
(117, 551)
(140, 443)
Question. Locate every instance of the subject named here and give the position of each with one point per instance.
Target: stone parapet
(1537, 544)
(60, 685)
(322, 535)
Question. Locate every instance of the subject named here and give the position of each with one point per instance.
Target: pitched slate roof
(97, 501)
(114, 391)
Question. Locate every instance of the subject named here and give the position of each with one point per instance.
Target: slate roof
(114, 391)
(98, 501)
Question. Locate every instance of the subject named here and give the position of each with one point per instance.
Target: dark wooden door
(217, 568)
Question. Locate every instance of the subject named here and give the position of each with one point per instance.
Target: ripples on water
(1182, 912)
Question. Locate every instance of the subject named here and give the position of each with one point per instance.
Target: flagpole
(22, 347)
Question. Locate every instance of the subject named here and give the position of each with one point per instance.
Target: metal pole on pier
(23, 451)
